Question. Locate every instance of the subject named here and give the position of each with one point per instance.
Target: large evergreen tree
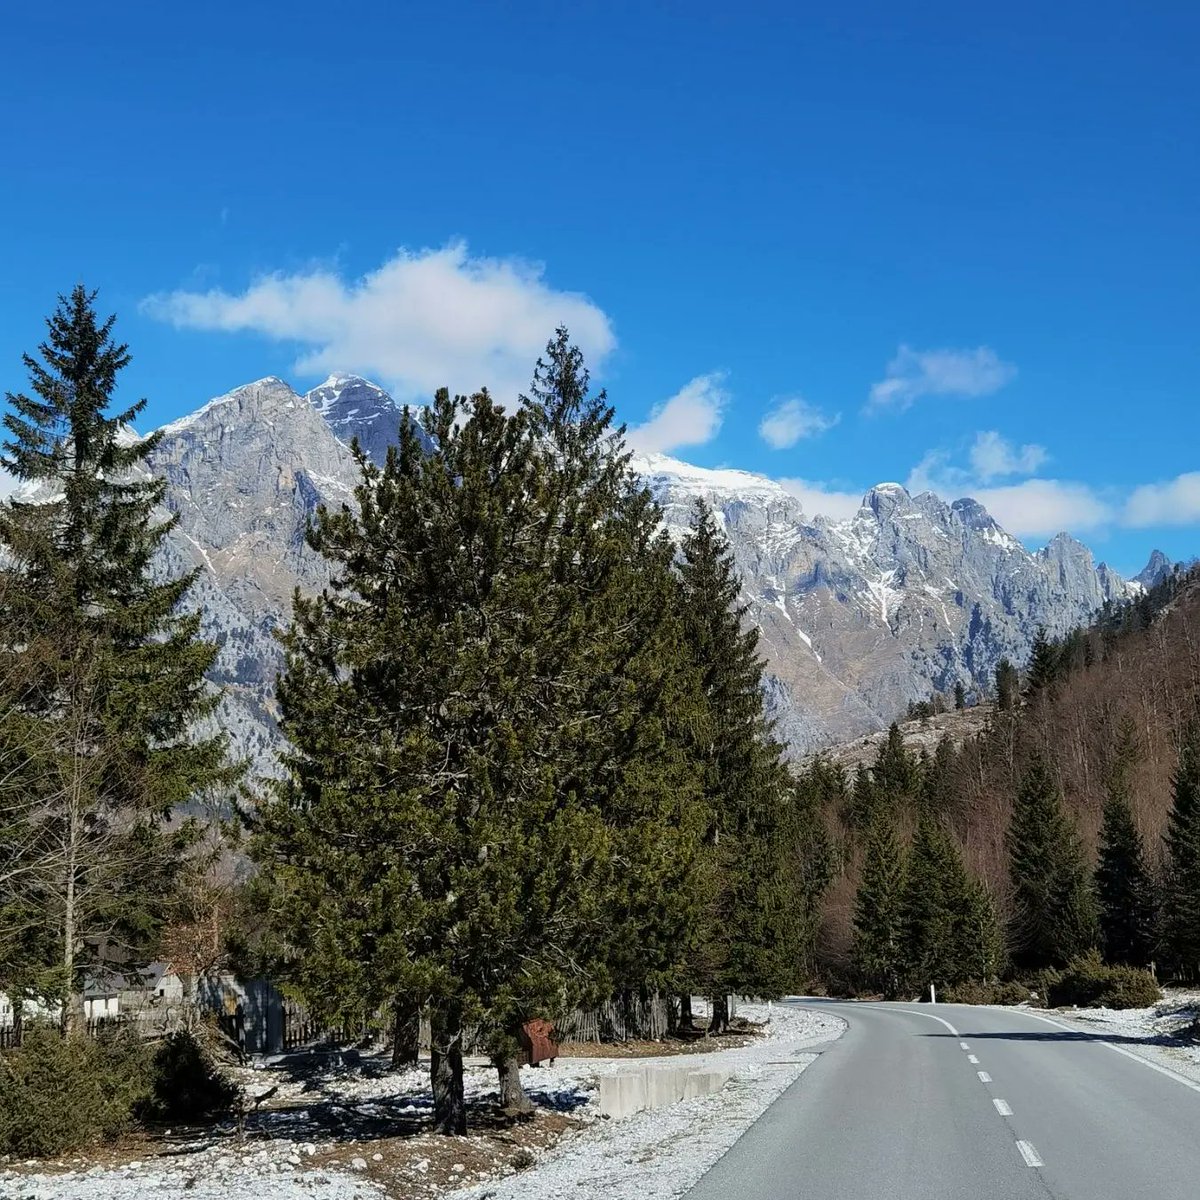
(489, 812)
(755, 932)
(950, 931)
(880, 953)
(103, 675)
(1053, 915)
(1181, 894)
(1124, 890)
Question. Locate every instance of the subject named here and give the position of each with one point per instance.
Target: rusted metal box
(537, 1040)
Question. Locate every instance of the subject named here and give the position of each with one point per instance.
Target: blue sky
(939, 244)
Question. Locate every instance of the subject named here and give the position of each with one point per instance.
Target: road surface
(948, 1102)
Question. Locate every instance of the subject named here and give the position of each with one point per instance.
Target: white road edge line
(971, 1058)
(916, 1012)
(1137, 1058)
(1002, 1108)
(984, 1077)
(1029, 1154)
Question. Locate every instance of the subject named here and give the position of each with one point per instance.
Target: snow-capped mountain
(908, 596)
(858, 617)
(354, 407)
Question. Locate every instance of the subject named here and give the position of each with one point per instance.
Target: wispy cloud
(689, 418)
(994, 457)
(425, 319)
(792, 419)
(1171, 502)
(823, 499)
(913, 374)
(1028, 508)
(1042, 507)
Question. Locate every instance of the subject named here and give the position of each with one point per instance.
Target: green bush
(187, 1084)
(1088, 982)
(974, 991)
(58, 1094)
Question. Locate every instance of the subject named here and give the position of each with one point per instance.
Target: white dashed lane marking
(984, 1077)
(1029, 1154)
(1002, 1108)
(972, 1059)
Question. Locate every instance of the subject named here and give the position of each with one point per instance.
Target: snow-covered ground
(663, 1152)
(320, 1146)
(1155, 1033)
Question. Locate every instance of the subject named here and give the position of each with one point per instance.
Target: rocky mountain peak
(857, 617)
(1157, 568)
(354, 407)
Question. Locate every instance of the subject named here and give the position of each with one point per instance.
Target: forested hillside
(1083, 770)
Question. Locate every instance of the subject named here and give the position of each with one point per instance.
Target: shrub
(187, 1084)
(1088, 982)
(58, 1094)
(974, 991)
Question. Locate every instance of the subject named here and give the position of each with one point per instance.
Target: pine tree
(1007, 686)
(960, 695)
(895, 773)
(1045, 664)
(1123, 887)
(937, 779)
(880, 953)
(927, 915)
(107, 673)
(1053, 911)
(489, 812)
(1181, 893)
(755, 933)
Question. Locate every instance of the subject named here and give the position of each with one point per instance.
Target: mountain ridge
(858, 616)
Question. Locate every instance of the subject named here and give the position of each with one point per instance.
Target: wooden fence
(11, 1036)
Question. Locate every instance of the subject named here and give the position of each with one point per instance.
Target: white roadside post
(932, 994)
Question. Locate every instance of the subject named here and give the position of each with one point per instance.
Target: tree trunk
(446, 1072)
(686, 1024)
(406, 1027)
(513, 1099)
(719, 1022)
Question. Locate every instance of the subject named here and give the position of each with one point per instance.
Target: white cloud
(425, 319)
(689, 418)
(994, 457)
(1042, 507)
(819, 499)
(1030, 508)
(913, 374)
(791, 420)
(1172, 502)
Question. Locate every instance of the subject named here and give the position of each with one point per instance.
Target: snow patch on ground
(1156, 1033)
(663, 1152)
(660, 1153)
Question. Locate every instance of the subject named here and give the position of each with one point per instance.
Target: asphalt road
(947, 1102)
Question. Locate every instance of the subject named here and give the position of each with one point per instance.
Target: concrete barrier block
(622, 1094)
(704, 1083)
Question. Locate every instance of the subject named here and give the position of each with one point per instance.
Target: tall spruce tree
(1181, 892)
(103, 675)
(880, 954)
(950, 929)
(1045, 664)
(1053, 914)
(1124, 890)
(1008, 686)
(488, 813)
(753, 936)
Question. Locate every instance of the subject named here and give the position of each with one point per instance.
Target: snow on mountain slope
(858, 617)
(908, 596)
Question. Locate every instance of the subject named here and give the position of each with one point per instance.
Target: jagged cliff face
(909, 596)
(858, 617)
